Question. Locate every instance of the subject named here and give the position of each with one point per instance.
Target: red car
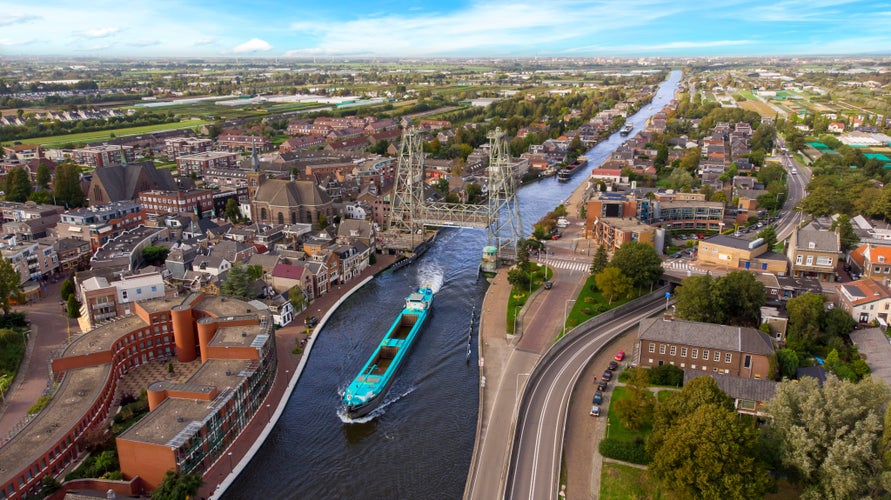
(620, 355)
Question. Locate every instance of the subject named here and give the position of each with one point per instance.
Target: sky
(448, 28)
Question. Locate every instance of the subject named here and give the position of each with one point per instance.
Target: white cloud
(206, 41)
(100, 32)
(14, 19)
(6, 42)
(252, 45)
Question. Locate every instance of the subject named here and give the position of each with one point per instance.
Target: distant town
(176, 233)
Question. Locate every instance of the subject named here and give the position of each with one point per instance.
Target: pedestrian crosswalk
(679, 265)
(570, 265)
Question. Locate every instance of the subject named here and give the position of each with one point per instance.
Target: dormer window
(881, 258)
(811, 245)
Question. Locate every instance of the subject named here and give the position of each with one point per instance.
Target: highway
(535, 459)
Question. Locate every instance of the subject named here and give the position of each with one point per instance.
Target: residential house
(814, 252)
(213, 265)
(866, 300)
(871, 261)
(287, 276)
(749, 394)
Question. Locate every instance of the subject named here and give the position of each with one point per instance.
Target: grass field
(759, 107)
(588, 299)
(623, 482)
(518, 297)
(103, 135)
(617, 429)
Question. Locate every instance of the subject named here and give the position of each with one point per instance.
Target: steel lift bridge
(410, 212)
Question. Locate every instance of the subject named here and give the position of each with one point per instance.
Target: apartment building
(103, 299)
(197, 201)
(201, 162)
(99, 223)
(106, 155)
(181, 146)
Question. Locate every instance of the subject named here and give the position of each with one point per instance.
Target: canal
(419, 443)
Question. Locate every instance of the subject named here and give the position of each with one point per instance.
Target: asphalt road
(538, 446)
(797, 184)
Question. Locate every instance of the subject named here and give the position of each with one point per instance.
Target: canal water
(419, 443)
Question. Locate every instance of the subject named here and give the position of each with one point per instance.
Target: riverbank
(290, 367)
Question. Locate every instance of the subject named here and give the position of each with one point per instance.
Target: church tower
(254, 178)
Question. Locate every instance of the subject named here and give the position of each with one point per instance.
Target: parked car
(607, 375)
(620, 356)
(548, 285)
(595, 411)
(613, 365)
(311, 321)
(598, 397)
(601, 386)
(556, 236)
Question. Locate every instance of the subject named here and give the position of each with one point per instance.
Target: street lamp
(564, 314)
(230, 460)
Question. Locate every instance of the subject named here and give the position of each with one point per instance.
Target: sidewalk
(285, 341)
(49, 333)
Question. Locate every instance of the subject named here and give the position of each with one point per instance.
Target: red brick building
(104, 156)
(207, 160)
(190, 201)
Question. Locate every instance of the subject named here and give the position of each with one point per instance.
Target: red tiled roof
(288, 271)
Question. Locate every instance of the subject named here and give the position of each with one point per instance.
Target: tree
(638, 261)
(177, 486)
(73, 306)
(636, 410)
(848, 237)
(837, 322)
(297, 299)
(237, 282)
(255, 271)
(323, 221)
(787, 359)
(231, 210)
(518, 278)
(805, 312)
(698, 392)
(600, 260)
(17, 185)
(67, 289)
(740, 297)
(770, 237)
(613, 283)
(67, 186)
(10, 285)
(43, 176)
(830, 435)
(696, 299)
(155, 254)
(711, 453)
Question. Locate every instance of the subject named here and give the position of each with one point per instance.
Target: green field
(621, 482)
(103, 135)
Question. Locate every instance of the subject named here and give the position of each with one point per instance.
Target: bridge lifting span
(410, 212)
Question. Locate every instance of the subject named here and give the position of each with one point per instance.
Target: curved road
(797, 184)
(538, 447)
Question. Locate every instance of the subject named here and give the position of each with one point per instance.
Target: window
(705, 354)
(661, 348)
(747, 361)
(124, 293)
(728, 357)
(652, 347)
(139, 291)
(695, 354)
(154, 288)
(673, 351)
(683, 352)
(717, 356)
(798, 259)
(810, 260)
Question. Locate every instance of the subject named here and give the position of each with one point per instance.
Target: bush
(634, 451)
(667, 375)
(41, 403)
(13, 320)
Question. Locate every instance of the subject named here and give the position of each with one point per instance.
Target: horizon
(399, 29)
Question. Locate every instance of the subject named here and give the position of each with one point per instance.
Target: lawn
(623, 482)
(615, 428)
(519, 295)
(590, 303)
(102, 135)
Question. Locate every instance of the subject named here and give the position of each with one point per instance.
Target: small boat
(566, 173)
(626, 129)
(366, 391)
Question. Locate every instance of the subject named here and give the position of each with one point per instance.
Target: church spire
(255, 160)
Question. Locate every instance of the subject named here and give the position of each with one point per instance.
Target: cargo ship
(566, 173)
(366, 391)
(626, 129)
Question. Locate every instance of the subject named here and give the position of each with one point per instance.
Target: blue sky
(352, 28)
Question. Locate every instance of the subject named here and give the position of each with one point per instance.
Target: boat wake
(341, 410)
(430, 274)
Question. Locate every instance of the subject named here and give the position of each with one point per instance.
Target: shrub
(13, 320)
(667, 375)
(41, 403)
(627, 451)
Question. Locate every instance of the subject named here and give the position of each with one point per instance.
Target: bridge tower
(505, 228)
(408, 190)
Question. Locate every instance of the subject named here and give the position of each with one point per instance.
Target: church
(286, 201)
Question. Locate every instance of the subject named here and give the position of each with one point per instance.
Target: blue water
(419, 444)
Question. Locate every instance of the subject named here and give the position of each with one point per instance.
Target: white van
(562, 222)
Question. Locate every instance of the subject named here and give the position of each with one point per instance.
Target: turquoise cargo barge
(366, 391)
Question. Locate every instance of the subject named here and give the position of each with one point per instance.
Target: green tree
(155, 255)
(600, 260)
(17, 185)
(323, 221)
(848, 237)
(237, 282)
(474, 193)
(10, 285)
(518, 278)
(787, 359)
(613, 283)
(298, 300)
(67, 186)
(711, 453)
(740, 297)
(67, 289)
(177, 486)
(43, 175)
(830, 435)
(73, 306)
(640, 262)
(232, 210)
(696, 300)
(698, 392)
(805, 312)
(837, 322)
(770, 237)
(255, 271)
(636, 410)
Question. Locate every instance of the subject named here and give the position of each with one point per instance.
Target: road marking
(571, 265)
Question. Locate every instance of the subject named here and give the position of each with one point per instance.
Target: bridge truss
(500, 215)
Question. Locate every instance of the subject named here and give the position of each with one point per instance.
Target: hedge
(634, 451)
